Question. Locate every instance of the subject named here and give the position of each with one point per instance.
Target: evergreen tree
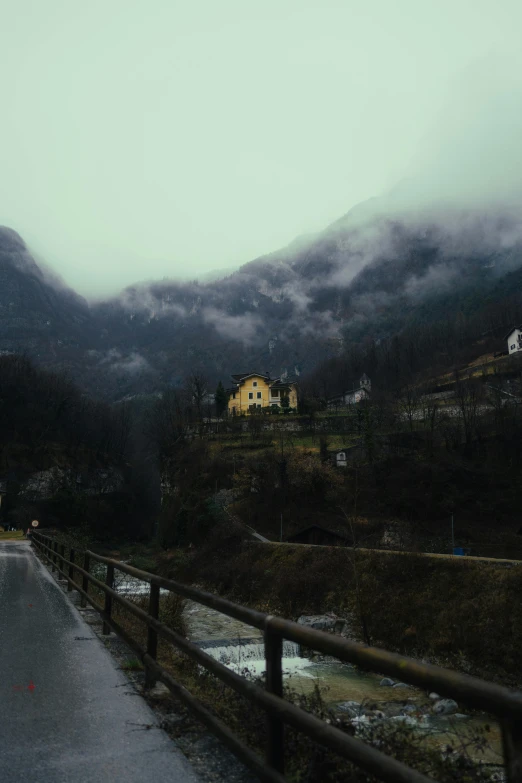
(221, 398)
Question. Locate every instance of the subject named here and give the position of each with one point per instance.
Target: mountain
(38, 314)
(368, 276)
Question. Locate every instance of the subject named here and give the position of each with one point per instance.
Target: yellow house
(254, 390)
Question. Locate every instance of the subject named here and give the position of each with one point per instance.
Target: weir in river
(241, 648)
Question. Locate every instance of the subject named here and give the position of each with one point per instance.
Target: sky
(149, 139)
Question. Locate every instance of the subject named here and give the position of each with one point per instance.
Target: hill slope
(365, 278)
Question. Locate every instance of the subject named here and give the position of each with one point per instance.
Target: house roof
(244, 375)
(363, 377)
(275, 383)
(512, 330)
(346, 448)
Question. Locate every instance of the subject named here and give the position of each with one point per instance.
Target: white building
(353, 396)
(347, 455)
(514, 339)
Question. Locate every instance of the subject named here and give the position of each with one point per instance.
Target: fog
(168, 139)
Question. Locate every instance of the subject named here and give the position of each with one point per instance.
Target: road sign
(35, 523)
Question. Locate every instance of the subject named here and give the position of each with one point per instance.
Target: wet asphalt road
(66, 712)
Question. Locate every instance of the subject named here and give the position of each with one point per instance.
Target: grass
(11, 534)
(232, 445)
(132, 665)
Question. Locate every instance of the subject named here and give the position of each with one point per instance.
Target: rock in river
(353, 708)
(445, 707)
(323, 622)
(387, 682)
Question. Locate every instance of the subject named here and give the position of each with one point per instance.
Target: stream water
(241, 648)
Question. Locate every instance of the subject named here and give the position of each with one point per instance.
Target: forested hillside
(442, 281)
(65, 459)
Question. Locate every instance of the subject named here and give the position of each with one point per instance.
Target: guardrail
(501, 702)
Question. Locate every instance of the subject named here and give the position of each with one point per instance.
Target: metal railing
(499, 701)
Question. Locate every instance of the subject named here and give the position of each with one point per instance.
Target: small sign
(35, 523)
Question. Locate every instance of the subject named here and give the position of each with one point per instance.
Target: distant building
(252, 391)
(347, 455)
(514, 339)
(352, 396)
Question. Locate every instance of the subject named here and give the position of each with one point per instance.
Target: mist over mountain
(38, 313)
(363, 279)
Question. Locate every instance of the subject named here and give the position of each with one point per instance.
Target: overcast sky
(149, 138)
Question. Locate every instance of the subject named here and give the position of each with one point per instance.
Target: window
(513, 347)
(254, 383)
(275, 392)
(250, 395)
(233, 395)
(259, 395)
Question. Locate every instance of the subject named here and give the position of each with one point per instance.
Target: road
(500, 561)
(67, 712)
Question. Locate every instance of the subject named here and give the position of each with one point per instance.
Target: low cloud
(247, 329)
(131, 364)
(436, 280)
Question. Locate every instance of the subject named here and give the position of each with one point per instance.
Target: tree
(467, 397)
(197, 387)
(323, 449)
(221, 398)
(408, 403)
(285, 403)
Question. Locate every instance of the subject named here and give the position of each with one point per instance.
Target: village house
(353, 396)
(253, 391)
(347, 455)
(514, 339)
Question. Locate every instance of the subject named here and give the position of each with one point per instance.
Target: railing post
(108, 598)
(62, 555)
(152, 635)
(275, 754)
(54, 548)
(71, 570)
(512, 744)
(85, 579)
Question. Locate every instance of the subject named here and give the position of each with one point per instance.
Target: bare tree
(198, 389)
(467, 397)
(408, 404)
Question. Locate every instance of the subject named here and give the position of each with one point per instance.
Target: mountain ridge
(365, 276)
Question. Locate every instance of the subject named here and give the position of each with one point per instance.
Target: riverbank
(405, 719)
(459, 613)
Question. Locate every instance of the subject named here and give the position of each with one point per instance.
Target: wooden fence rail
(501, 702)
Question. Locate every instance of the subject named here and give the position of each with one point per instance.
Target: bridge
(62, 673)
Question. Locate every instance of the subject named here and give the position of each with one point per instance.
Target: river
(240, 647)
